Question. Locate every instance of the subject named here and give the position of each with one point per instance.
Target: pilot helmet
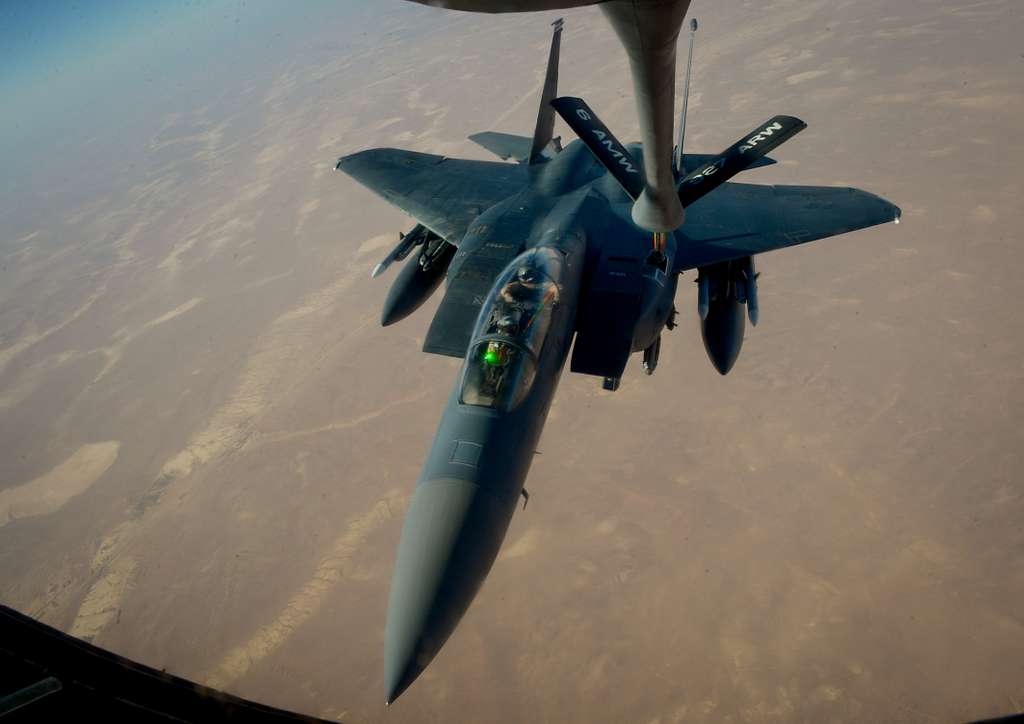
(528, 275)
(506, 324)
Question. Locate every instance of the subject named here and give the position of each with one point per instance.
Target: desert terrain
(207, 442)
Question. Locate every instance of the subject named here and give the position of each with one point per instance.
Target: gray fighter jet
(540, 256)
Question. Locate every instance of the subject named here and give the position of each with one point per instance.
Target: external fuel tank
(416, 282)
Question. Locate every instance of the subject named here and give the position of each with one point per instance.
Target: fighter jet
(542, 255)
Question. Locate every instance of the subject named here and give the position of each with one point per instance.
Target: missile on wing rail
(406, 243)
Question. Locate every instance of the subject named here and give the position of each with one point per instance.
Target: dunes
(51, 491)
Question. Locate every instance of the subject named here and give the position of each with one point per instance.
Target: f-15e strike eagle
(574, 243)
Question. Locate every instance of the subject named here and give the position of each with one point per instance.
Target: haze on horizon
(209, 442)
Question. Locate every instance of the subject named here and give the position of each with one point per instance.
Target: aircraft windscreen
(501, 364)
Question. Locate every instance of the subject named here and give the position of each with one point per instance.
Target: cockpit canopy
(513, 325)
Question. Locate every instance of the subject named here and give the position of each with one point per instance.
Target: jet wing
(444, 194)
(470, 280)
(739, 220)
(453, 322)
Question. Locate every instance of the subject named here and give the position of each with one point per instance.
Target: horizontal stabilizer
(738, 157)
(606, 147)
(504, 145)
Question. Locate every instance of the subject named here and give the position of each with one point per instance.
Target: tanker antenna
(680, 168)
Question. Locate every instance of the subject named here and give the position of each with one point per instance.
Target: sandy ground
(209, 442)
(51, 491)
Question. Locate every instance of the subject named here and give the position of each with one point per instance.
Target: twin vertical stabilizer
(546, 115)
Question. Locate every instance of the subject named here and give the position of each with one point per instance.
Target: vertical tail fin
(546, 115)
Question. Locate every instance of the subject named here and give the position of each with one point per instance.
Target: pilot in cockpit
(522, 288)
(509, 322)
(529, 292)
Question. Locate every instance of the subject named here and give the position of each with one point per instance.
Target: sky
(52, 41)
(76, 68)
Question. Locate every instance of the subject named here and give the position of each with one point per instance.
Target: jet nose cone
(397, 683)
(450, 539)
